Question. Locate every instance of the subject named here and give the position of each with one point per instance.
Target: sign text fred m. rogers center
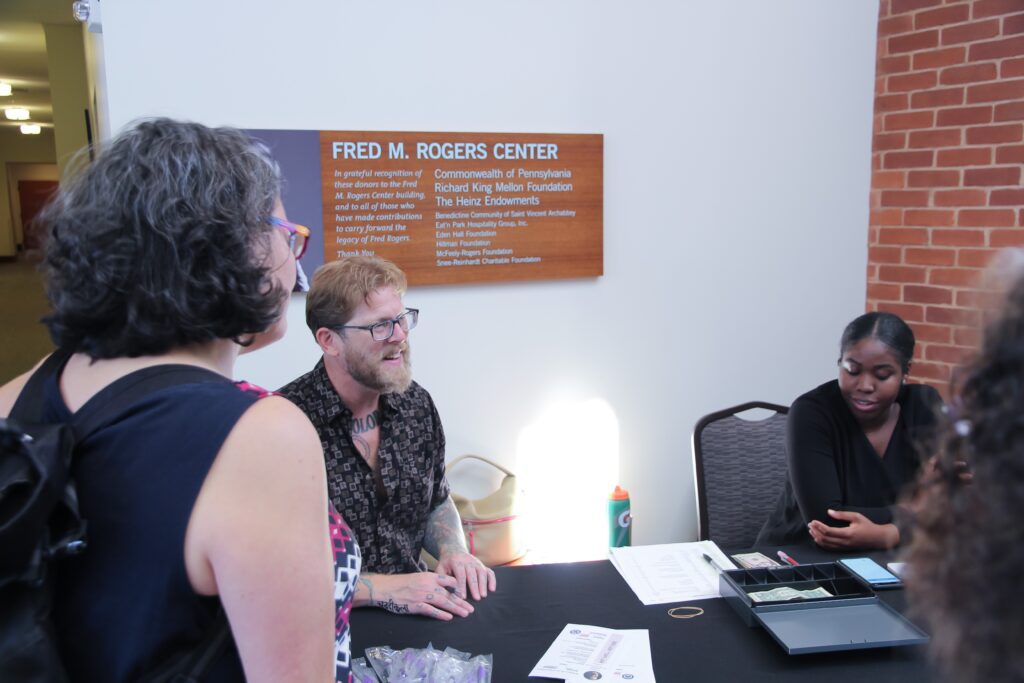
(465, 207)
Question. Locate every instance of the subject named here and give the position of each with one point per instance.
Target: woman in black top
(851, 443)
(172, 249)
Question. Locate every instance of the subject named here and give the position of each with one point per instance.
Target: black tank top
(125, 605)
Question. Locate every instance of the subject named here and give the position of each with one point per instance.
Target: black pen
(712, 562)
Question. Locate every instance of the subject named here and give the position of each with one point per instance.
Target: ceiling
(23, 61)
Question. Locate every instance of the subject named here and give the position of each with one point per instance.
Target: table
(533, 603)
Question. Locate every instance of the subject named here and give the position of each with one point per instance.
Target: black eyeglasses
(385, 329)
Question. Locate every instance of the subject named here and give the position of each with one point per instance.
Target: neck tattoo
(361, 425)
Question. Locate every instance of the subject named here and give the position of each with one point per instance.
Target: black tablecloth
(533, 603)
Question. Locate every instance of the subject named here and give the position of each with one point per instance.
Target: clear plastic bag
(363, 672)
(423, 665)
(413, 665)
(380, 659)
(454, 670)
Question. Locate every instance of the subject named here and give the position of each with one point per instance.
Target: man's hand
(467, 570)
(444, 540)
(423, 593)
(861, 533)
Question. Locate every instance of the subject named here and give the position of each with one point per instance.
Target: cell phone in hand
(872, 573)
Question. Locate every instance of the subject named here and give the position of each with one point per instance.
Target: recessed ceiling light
(30, 129)
(16, 113)
(5, 89)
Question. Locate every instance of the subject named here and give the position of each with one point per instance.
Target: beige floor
(23, 339)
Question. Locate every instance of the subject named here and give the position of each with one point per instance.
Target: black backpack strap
(67, 530)
(110, 401)
(28, 406)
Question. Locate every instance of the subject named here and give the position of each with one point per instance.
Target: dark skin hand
(861, 532)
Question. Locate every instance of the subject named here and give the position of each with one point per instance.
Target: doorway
(23, 338)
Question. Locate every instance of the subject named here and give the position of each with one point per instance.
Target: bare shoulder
(275, 441)
(274, 422)
(272, 455)
(259, 527)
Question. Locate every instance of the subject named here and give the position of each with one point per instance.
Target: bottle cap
(619, 494)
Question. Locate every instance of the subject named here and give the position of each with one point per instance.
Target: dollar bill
(754, 560)
(787, 593)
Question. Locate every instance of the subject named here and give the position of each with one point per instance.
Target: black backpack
(40, 522)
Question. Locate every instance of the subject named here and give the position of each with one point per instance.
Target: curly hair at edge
(162, 242)
(967, 552)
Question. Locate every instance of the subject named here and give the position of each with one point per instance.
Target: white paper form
(592, 653)
(671, 572)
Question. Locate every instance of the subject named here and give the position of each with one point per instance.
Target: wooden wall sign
(465, 207)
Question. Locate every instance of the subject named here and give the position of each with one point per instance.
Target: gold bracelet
(697, 611)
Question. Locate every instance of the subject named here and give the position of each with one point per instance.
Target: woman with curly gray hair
(964, 564)
(172, 249)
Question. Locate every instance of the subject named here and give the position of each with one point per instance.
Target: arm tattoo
(444, 531)
(390, 605)
(369, 588)
(393, 607)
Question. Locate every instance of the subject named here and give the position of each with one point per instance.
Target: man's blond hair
(340, 286)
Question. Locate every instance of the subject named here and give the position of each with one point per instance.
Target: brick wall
(947, 155)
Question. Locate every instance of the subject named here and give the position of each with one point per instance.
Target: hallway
(23, 339)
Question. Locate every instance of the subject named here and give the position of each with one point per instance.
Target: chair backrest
(739, 468)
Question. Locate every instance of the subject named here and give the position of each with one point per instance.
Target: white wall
(737, 163)
(69, 89)
(97, 83)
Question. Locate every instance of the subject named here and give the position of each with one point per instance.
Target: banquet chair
(739, 469)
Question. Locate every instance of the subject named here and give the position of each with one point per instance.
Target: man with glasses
(383, 443)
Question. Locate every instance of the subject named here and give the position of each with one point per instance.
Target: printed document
(672, 572)
(591, 653)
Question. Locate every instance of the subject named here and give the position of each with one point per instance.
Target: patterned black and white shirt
(389, 527)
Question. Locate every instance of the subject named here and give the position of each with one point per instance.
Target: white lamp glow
(568, 461)
(5, 89)
(16, 113)
(30, 129)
